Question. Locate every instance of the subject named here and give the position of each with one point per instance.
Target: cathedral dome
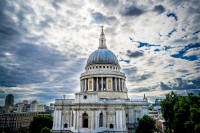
(102, 56)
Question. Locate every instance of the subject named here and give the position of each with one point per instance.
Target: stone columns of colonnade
(97, 84)
(115, 84)
(85, 89)
(101, 83)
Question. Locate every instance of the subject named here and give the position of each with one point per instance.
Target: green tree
(3, 131)
(39, 122)
(197, 128)
(167, 106)
(146, 125)
(193, 122)
(181, 114)
(45, 130)
(150, 108)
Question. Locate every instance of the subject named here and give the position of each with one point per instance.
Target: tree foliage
(45, 130)
(39, 122)
(146, 125)
(181, 113)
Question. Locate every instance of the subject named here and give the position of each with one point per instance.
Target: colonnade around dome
(106, 79)
(103, 84)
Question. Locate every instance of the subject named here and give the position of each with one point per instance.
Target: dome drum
(100, 74)
(100, 67)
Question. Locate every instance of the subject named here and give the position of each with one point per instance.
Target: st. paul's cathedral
(102, 105)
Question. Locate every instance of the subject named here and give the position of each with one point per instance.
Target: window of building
(85, 120)
(111, 126)
(65, 125)
(85, 97)
(101, 119)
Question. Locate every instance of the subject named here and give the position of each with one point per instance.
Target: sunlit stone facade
(103, 104)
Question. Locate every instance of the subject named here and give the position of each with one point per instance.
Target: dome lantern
(102, 40)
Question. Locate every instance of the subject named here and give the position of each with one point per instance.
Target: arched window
(111, 126)
(85, 120)
(101, 119)
(65, 125)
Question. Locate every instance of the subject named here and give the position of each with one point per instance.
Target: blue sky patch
(184, 50)
(172, 14)
(171, 33)
(196, 32)
(157, 50)
(127, 61)
(166, 48)
(143, 44)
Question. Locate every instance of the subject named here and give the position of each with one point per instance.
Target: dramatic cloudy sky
(44, 45)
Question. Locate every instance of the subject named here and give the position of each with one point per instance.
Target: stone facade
(103, 104)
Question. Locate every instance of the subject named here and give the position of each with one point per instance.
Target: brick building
(17, 122)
